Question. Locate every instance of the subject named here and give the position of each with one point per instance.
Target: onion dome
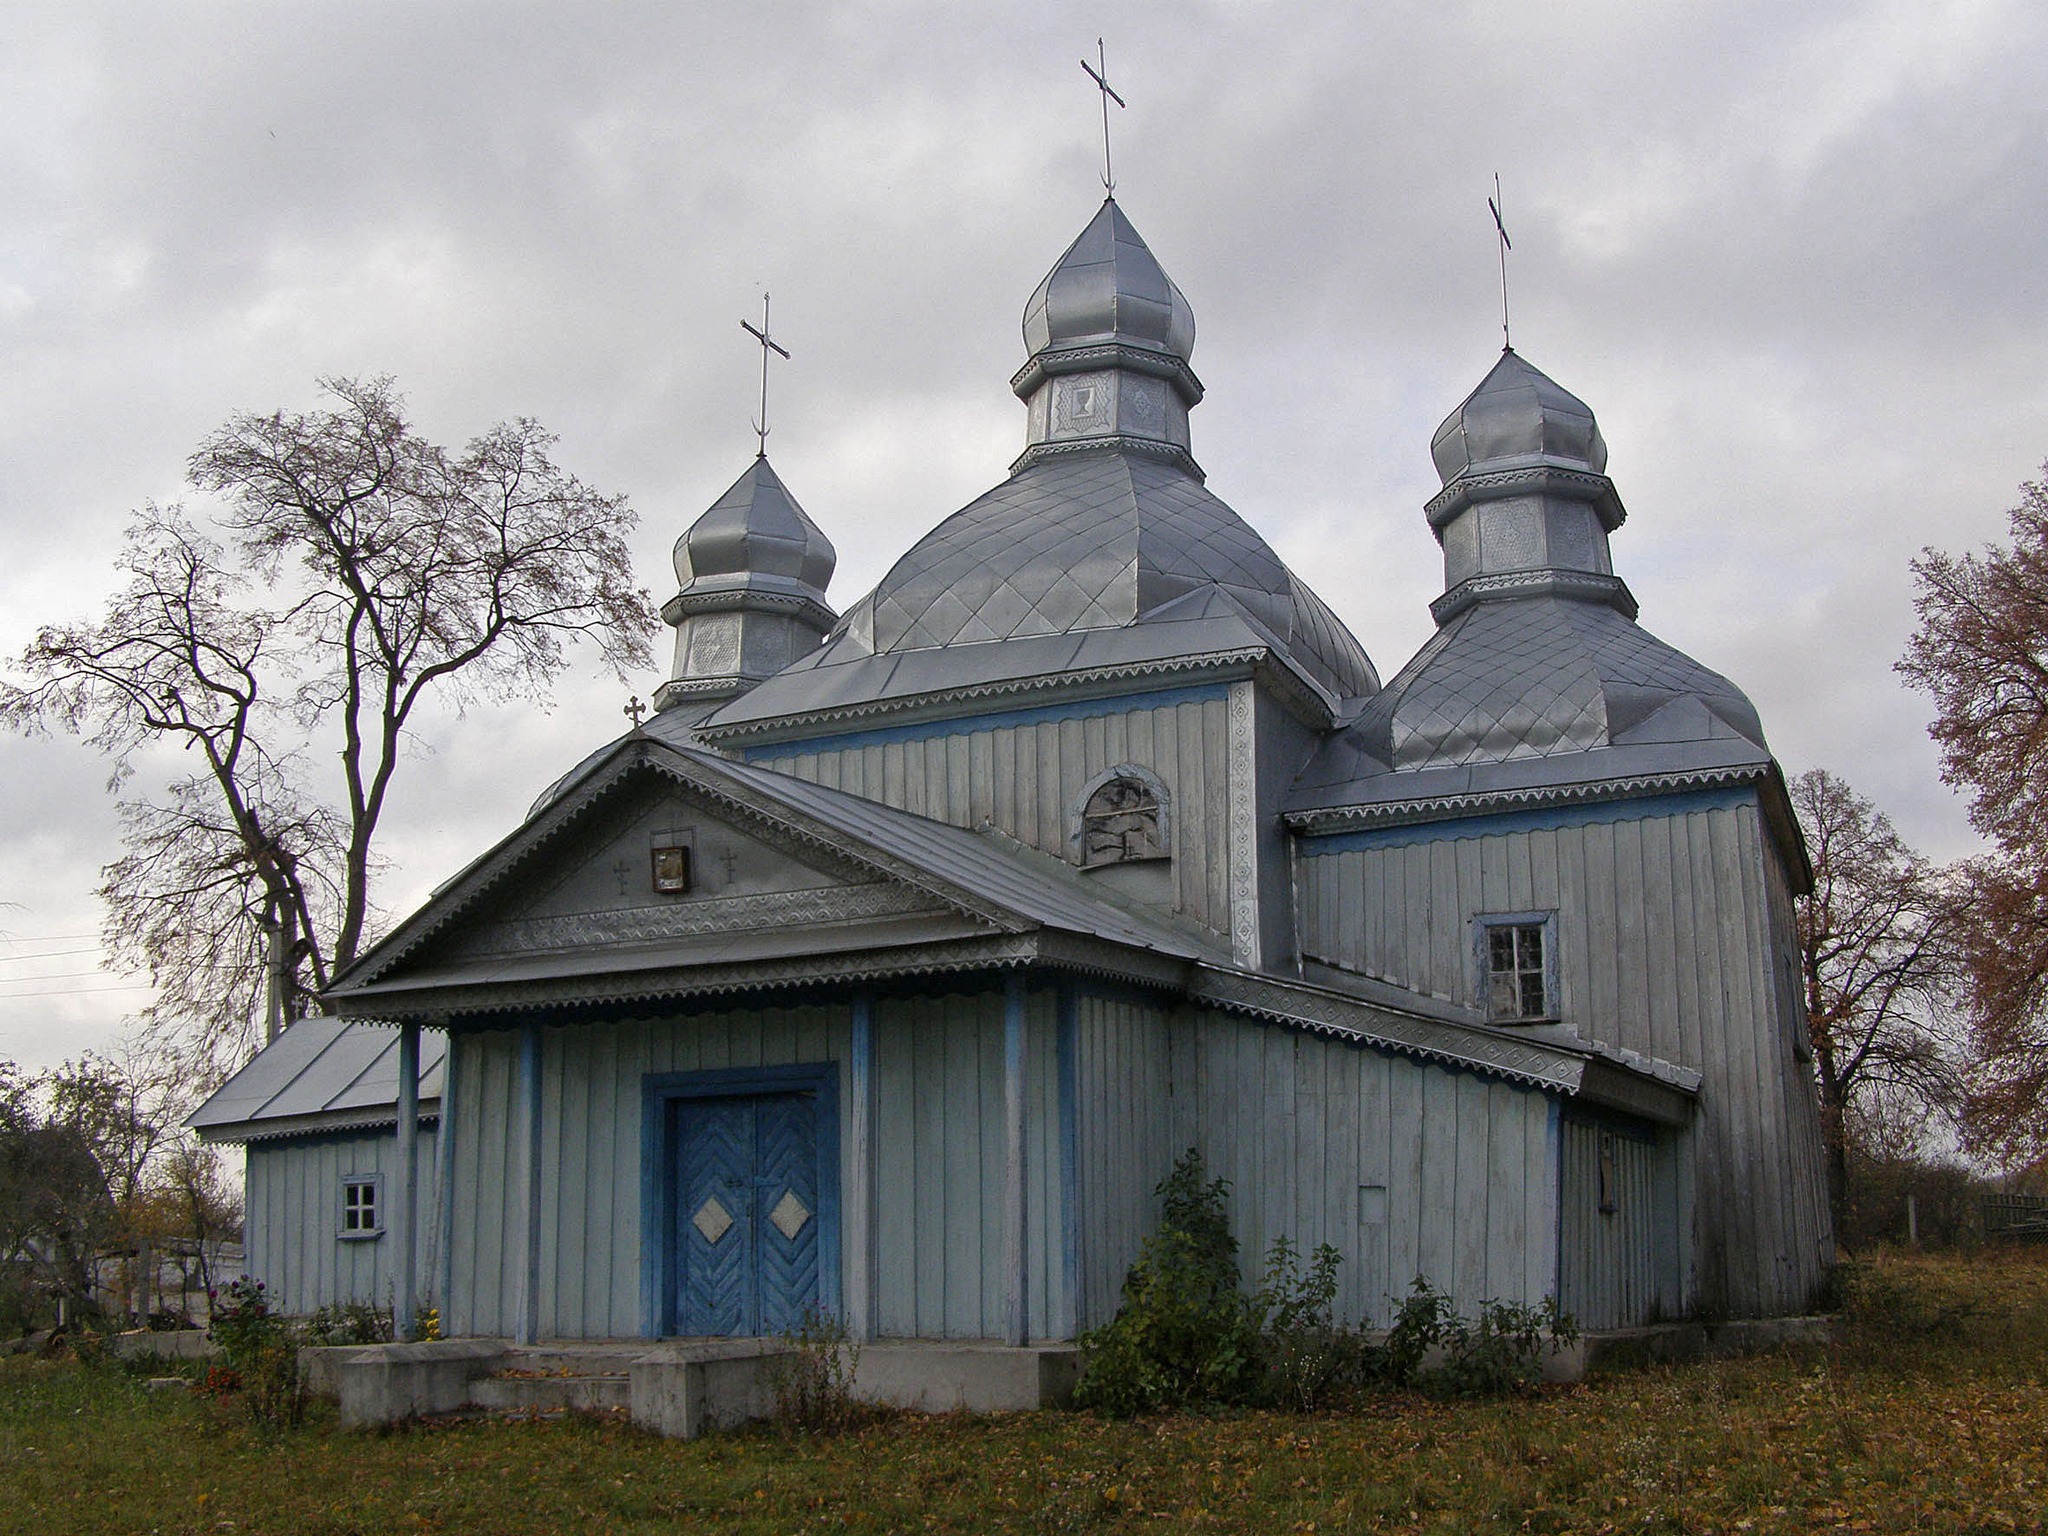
(1537, 652)
(1517, 416)
(752, 573)
(1110, 338)
(1104, 522)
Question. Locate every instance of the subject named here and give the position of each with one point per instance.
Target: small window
(359, 1213)
(1121, 821)
(1519, 967)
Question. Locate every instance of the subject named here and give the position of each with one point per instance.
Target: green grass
(1931, 1414)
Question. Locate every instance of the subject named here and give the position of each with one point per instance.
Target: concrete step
(551, 1393)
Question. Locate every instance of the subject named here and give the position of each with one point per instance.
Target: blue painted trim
(1016, 1183)
(659, 1092)
(1068, 1048)
(528, 1323)
(1502, 823)
(444, 1195)
(1554, 1140)
(865, 1097)
(960, 725)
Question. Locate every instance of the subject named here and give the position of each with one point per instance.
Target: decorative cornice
(453, 1002)
(1529, 480)
(322, 1122)
(1108, 354)
(1544, 581)
(1302, 696)
(688, 690)
(1151, 448)
(731, 599)
(1325, 820)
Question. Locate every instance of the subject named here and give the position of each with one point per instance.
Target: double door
(746, 1220)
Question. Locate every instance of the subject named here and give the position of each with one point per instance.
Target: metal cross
(1507, 343)
(1101, 78)
(768, 344)
(634, 710)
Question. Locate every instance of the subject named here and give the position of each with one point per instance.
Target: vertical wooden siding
(1665, 932)
(940, 1161)
(1027, 780)
(293, 1222)
(1617, 1268)
(1405, 1169)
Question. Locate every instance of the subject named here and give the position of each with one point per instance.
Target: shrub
(1184, 1332)
(1435, 1348)
(812, 1380)
(261, 1349)
(1306, 1358)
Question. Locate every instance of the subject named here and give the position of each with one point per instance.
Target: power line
(129, 986)
(50, 954)
(45, 938)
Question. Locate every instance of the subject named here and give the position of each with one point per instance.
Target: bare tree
(357, 571)
(1981, 651)
(1877, 939)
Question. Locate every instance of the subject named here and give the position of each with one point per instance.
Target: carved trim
(1538, 479)
(1243, 780)
(1107, 354)
(1395, 813)
(1151, 448)
(682, 919)
(1407, 1034)
(1316, 706)
(1589, 585)
(749, 599)
(454, 1001)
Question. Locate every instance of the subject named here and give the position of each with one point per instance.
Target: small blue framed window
(362, 1209)
(1516, 956)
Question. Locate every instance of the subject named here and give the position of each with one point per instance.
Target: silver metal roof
(321, 1074)
(1104, 540)
(1517, 416)
(1109, 287)
(756, 535)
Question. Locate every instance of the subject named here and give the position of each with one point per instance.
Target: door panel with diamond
(746, 1182)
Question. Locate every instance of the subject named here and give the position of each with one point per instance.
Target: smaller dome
(1517, 416)
(1109, 287)
(756, 529)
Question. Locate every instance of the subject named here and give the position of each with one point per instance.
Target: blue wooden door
(746, 1175)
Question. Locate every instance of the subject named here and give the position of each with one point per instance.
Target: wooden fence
(2016, 1218)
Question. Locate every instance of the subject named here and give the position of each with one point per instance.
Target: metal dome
(1109, 287)
(755, 529)
(1517, 416)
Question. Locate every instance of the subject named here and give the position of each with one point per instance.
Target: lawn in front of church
(1929, 1414)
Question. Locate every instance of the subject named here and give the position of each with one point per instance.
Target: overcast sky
(1794, 257)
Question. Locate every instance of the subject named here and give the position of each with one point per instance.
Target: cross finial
(768, 344)
(1507, 343)
(1100, 75)
(634, 710)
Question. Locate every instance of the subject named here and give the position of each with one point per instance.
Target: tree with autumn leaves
(1981, 652)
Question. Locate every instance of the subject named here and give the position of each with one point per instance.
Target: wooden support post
(404, 1226)
(528, 1324)
(861, 1309)
(1068, 1066)
(1016, 1244)
(444, 1194)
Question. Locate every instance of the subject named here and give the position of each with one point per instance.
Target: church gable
(659, 863)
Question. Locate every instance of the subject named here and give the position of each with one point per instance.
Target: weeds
(812, 1379)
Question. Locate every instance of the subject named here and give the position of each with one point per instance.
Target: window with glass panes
(1517, 985)
(359, 1205)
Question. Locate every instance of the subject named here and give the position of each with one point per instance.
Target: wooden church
(889, 965)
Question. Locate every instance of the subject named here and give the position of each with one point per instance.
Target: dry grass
(1930, 1414)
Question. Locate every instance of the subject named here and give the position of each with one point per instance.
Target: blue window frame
(362, 1206)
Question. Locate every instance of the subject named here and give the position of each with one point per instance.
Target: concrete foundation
(1620, 1349)
(176, 1344)
(679, 1389)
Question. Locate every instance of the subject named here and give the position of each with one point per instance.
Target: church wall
(1665, 935)
(940, 1150)
(1025, 771)
(291, 1228)
(1406, 1169)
